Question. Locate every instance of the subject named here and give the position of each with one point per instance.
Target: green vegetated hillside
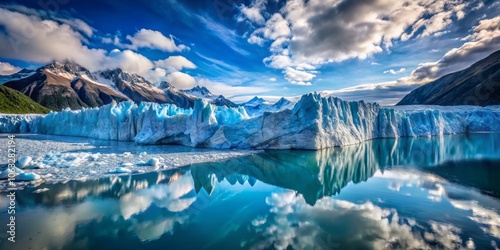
(15, 102)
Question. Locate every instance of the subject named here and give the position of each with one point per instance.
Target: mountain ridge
(68, 85)
(203, 93)
(477, 85)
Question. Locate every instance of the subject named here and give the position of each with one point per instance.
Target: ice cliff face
(315, 122)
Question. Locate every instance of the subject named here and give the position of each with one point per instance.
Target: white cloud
(298, 77)
(231, 91)
(33, 39)
(395, 72)
(278, 61)
(181, 80)
(176, 62)
(8, 69)
(30, 38)
(316, 32)
(146, 38)
(484, 40)
(128, 61)
(273, 79)
(228, 36)
(478, 6)
(332, 223)
(78, 25)
(276, 27)
(254, 39)
(387, 93)
(59, 16)
(156, 75)
(253, 13)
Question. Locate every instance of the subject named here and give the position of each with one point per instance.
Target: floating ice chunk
(94, 157)
(5, 174)
(121, 170)
(153, 162)
(127, 154)
(49, 175)
(24, 161)
(41, 190)
(38, 165)
(127, 164)
(28, 177)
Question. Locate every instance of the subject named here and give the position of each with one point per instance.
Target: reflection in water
(484, 178)
(406, 193)
(316, 174)
(333, 223)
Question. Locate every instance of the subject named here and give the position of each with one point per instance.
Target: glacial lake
(407, 193)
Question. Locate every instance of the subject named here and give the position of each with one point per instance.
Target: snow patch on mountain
(200, 92)
(257, 106)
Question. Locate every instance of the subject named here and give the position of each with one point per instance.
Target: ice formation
(315, 122)
(63, 158)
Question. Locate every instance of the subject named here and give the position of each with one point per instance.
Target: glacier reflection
(379, 194)
(316, 174)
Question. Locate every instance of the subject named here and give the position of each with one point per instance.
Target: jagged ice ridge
(315, 122)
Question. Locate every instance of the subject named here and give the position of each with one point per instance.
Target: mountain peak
(118, 74)
(255, 101)
(67, 69)
(25, 71)
(282, 101)
(222, 101)
(165, 85)
(200, 92)
(67, 65)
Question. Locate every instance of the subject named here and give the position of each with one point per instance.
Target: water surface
(439, 192)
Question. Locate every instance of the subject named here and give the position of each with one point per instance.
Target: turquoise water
(418, 193)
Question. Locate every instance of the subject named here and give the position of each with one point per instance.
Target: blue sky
(376, 50)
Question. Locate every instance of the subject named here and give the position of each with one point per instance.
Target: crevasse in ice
(315, 122)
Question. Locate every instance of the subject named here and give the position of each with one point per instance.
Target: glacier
(314, 122)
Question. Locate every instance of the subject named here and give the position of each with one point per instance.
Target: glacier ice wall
(15, 123)
(315, 122)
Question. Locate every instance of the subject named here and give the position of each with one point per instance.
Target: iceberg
(314, 122)
(28, 177)
(23, 162)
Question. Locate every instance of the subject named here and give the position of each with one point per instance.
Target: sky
(372, 50)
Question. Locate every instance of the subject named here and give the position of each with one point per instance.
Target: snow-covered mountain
(283, 103)
(256, 102)
(205, 94)
(69, 85)
(65, 85)
(223, 101)
(200, 92)
(138, 89)
(257, 106)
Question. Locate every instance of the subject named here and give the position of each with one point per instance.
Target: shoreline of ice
(62, 158)
(314, 123)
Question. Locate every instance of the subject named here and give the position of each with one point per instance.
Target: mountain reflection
(163, 206)
(316, 174)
